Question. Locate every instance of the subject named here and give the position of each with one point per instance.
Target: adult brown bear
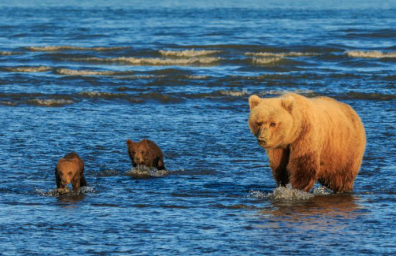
(70, 168)
(146, 153)
(308, 140)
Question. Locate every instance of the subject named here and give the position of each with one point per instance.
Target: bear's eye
(142, 152)
(272, 124)
(259, 123)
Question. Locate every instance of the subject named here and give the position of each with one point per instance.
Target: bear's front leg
(279, 158)
(303, 170)
(76, 183)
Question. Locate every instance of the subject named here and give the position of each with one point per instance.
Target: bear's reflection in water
(70, 198)
(142, 171)
(321, 212)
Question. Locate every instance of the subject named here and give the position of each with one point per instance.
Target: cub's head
(66, 171)
(140, 152)
(271, 120)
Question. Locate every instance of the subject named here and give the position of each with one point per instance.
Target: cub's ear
(288, 103)
(129, 142)
(254, 100)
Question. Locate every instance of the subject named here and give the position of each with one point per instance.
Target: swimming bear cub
(146, 153)
(70, 169)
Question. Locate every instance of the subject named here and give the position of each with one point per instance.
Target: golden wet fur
(308, 140)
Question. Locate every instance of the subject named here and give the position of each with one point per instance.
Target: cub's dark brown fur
(70, 168)
(145, 152)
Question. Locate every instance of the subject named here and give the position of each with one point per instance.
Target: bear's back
(70, 162)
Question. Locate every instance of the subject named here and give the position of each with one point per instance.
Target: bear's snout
(262, 142)
(138, 159)
(65, 181)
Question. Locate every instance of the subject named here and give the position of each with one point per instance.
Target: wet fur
(70, 166)
(321, 140)
(146, 153)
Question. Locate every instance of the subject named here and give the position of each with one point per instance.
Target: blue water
(86, 76)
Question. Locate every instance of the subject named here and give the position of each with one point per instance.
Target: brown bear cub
(146, 153)
(70, 168)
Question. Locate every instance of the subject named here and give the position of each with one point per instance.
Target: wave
(188, 53)
(370, 54)
(197, 77)
(281, 54)
(282, 92)
(234, 93)
(71, 48)
(368, 96)
(4, 53)
(28, 69)
(73, 72)
(50, 102)
(152, 61)
(266, 61)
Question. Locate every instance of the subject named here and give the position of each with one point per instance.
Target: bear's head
(271, 120)
(140, 152)
(66, 170)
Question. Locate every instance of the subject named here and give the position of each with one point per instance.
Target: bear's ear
(129, 142)
(288, 103)
(254, 100)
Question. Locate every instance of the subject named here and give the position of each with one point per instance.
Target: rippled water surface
(85, 76)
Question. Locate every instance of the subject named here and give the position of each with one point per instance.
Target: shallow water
(86, 76)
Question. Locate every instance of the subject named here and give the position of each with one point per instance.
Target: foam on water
(235, 93)
(197, 77)
(266, 61)
(370, 54)
(188, 53)
(4, 53)
(50, 102)
(152, 61)
(96, 94)
(280, 54)
(282, 92)
(72, 72)
(70, 48)
(28, 69)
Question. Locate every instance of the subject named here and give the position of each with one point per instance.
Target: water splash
(66, 191)
(288, 193)
(145, 172)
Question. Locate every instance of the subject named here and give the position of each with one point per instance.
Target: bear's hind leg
(82, 180)
(340, 183)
